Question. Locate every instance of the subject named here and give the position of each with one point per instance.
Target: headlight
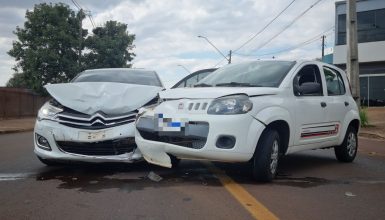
(230, 105)
(48, 111)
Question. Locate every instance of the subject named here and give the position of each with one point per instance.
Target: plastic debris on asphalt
(154, 177)
(349, 194)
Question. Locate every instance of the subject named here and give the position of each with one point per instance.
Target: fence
(16, 102)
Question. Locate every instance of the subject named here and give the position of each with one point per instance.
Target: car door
(310, 109)
(336, 99)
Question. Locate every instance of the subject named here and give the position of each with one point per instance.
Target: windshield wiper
(202, 85)
(238, 84)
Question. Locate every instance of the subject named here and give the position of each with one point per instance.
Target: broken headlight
(230, 105)
(49, 110)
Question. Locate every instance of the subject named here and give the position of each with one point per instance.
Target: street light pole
(228, 59)
(184, 68)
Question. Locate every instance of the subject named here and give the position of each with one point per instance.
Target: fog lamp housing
(42, 142)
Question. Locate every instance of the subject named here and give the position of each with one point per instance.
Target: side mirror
(309, 88)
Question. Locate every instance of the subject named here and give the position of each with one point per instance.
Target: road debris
(349, 194)
(154, 177)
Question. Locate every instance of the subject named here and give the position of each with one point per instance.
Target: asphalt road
(311, 185)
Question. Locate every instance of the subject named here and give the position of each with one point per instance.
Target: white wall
(367, 52)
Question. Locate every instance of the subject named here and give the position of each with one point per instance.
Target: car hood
(215, 92)
(108, 97)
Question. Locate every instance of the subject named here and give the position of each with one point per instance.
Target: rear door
(336, 99)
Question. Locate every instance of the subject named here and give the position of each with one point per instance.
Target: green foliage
(364, 117)
(50, 47)
(17, 81)
(47, 45)
(110, 46)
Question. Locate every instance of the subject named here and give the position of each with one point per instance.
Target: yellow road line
(252, 205)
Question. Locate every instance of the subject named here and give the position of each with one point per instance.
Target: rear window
(128, 76)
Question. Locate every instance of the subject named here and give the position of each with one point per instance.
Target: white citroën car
(255, 111)
(92, 118)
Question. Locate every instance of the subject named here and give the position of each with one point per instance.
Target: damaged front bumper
(114, 144)
(229, 138)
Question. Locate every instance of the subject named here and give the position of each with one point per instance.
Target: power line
(265, 27)
(86, 12)
(219, 62)
(309, 41)
(288, 26)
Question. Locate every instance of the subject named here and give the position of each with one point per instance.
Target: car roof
(121, 69)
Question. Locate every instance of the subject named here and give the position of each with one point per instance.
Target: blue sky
(166, 30)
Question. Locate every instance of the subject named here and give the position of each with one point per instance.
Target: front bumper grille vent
(102, 148)
(98, 120)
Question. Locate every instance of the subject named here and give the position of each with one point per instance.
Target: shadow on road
(94, 178)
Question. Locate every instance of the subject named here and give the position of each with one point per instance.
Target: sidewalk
(16, 125)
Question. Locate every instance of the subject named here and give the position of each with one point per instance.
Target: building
(371, 48)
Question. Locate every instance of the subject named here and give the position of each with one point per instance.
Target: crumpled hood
(215, 92)
(108, 97)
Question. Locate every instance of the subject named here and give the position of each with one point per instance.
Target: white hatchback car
(255, 111)
(92, 118)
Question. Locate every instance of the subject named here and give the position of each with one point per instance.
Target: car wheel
(266, 156)
(174, 161)
(48, 162)
(347, 151)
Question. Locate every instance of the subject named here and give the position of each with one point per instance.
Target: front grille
(99, 120)
(102, 148)
(185, 141)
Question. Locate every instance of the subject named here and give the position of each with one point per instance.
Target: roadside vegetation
(52, 47)
(364, 117)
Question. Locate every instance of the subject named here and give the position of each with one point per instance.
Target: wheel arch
(351, 119)
(281, 120)
(283, 129)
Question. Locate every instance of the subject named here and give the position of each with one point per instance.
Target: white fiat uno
(256, 111)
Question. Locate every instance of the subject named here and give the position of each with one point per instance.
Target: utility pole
(80, 36)
(352, 64)
(230, 56)
(323, 46)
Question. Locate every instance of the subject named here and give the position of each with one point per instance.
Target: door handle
(346, 103)
(323, 104)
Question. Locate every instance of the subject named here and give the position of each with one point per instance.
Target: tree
(110, 46)
(47, 47)
(17, 81)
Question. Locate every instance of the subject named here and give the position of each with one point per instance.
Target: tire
(266, 156)
(174, 161)
(48, 162)
(347, 151)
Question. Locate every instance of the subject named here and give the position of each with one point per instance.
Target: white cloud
(166, 30)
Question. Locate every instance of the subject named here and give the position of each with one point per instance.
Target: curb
(15, 130)
(371, 135)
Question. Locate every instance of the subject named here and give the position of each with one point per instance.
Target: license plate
(92, 136)
(170, 124)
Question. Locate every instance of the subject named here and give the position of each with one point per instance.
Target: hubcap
(351, 144)
(274, 156)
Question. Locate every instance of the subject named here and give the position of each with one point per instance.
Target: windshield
(129, 76)
(257, 73)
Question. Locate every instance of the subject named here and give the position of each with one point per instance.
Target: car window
(192, 79)
(129, 76)
(308, 74)
(257, 73)
(334, 82)
(203, 75)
